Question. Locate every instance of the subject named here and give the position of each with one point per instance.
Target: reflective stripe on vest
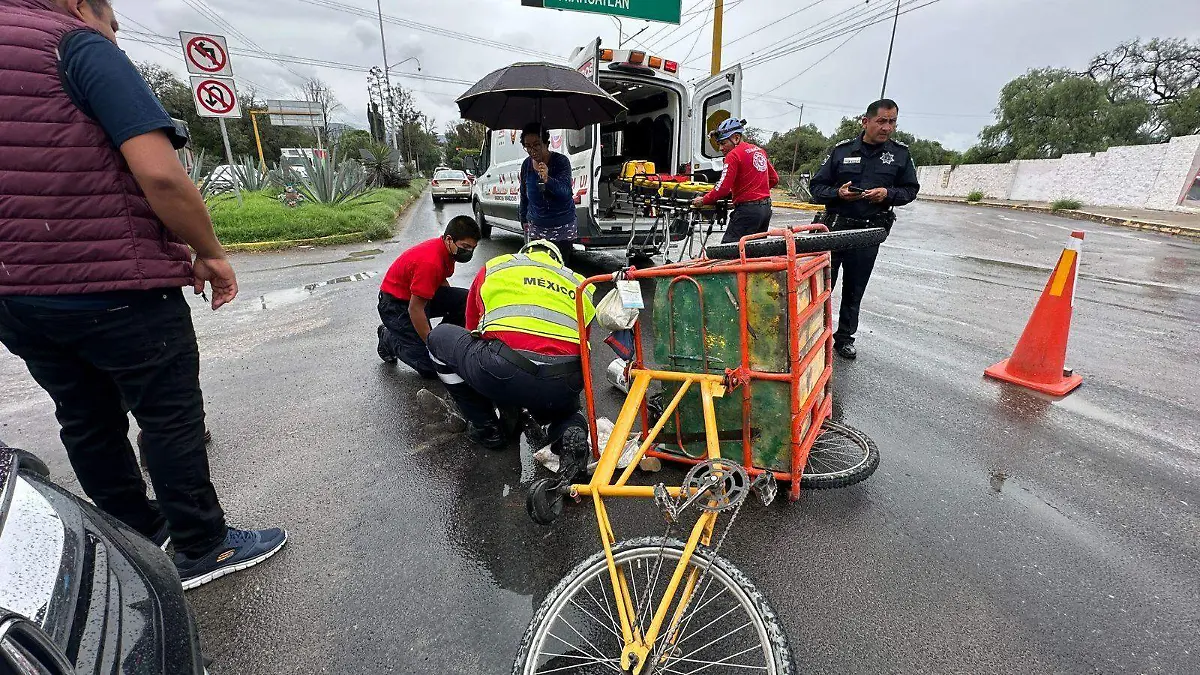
(532, 294)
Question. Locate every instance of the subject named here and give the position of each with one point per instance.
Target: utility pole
(890, 45)
(386, 76)
(799, 123)
(718, 20)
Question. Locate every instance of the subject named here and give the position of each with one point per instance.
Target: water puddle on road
(287, 296)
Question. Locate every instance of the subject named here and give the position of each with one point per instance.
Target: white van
(667, 123)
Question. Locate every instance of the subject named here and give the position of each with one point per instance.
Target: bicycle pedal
(665, 503)
(766, 488)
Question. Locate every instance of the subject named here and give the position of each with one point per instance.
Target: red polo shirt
(419, 271)
(523, 341)
(748, 176)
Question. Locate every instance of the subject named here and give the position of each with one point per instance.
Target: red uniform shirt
(523, 341)
(419, 271)
(748, 176)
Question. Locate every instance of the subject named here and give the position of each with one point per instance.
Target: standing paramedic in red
(96, 219)
(748, 178)
(417, 289)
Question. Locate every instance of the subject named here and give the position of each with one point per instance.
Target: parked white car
(450, 184)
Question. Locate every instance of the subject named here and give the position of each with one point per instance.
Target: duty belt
(764, 200)
(555, 366)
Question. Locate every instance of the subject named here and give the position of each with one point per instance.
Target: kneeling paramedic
(416, 289)
(748, 178)
(522, 353)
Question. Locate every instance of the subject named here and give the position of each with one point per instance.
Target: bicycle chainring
(716, 485)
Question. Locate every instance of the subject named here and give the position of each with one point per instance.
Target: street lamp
(411, 58)
(796, 154)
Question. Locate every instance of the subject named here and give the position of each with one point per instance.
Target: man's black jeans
(143, 355)
(449, 304)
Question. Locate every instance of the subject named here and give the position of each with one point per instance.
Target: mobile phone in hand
(855, 190)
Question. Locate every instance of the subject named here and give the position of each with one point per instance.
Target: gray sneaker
(439, 414)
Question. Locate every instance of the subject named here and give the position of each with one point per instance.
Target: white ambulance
(667, 123)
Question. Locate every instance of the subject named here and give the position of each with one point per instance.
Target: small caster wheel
(544, 501)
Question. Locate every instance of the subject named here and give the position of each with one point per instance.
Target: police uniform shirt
(888, 165)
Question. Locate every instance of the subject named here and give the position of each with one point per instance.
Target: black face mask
(462, 255)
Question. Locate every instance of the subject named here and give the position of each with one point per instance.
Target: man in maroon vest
(96, 219)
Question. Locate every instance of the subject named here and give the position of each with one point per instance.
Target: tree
(1048, 112)
(1161, 72)
(797, 148)
(1182, 117)
(314, 90)
(463, 139)
(176, 98)
(351, 142)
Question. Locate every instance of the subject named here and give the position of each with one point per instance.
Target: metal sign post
(213, 90)
(237, 188)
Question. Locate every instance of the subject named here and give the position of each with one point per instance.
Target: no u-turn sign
(215, 97)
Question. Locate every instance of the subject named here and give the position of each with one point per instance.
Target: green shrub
(383, 167)
(1065, 205)
(250, 175)
(975, 196)
(264, 218)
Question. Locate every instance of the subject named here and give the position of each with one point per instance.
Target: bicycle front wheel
(728, 625)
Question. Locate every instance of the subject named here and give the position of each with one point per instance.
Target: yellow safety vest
(532, 293)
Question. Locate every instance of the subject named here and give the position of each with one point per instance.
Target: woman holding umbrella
(541, 96)
(547, 206)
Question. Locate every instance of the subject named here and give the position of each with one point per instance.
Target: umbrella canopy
(557, 96)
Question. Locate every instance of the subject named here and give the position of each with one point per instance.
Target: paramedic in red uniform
(416, 289)
(748, 178)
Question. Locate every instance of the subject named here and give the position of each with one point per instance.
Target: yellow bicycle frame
(638, 646)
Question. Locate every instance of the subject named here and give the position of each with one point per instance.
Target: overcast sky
(950, 60)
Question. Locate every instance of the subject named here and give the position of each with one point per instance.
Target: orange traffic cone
(1037, 362)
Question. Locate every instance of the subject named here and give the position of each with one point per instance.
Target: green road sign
(666, 11)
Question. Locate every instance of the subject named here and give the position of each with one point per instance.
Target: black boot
(490, 436)
(573, 453)
(846, 350)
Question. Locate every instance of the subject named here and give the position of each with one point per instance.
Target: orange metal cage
(814, 406)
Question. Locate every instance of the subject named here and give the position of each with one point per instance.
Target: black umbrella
(557, 96)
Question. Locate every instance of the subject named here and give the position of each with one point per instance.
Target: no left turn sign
(215, 97)
(206, 54)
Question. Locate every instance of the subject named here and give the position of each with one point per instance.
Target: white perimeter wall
(1135, 176)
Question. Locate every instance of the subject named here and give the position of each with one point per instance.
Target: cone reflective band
(1038, 359)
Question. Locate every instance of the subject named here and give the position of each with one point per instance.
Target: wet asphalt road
(413, 554)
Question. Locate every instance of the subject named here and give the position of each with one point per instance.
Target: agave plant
(250, 175)
(383, 167)
(282, 175)
(332, 182)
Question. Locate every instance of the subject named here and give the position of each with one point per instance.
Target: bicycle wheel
(810, 242)
(728, 625)
(841, 456)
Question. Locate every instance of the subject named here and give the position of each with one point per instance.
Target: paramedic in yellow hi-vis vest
(519, 351)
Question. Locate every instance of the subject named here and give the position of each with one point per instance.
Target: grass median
(264, 219)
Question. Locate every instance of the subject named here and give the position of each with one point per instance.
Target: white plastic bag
(612, 315)
(604, 429)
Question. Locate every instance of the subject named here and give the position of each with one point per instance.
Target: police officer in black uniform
(859, 183)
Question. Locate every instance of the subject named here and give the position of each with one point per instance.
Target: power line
(699, 34)
(818, 61)
(207, 12)
(833, 33)
(692, 11)
(764, 26)
(436, 30)
(154, 38)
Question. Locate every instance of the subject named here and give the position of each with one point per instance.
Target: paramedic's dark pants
(93, 362)
(747, 219)
(856, 265)
(479, 378)
(449, 304)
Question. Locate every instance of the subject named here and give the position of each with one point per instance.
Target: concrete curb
(331, 240)
(1082, 214)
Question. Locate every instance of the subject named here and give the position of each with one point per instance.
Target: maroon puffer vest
(72, 217)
